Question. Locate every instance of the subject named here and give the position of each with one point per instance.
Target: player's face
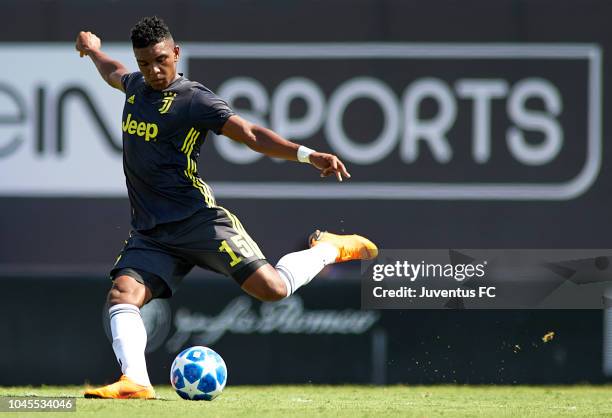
(157, 63)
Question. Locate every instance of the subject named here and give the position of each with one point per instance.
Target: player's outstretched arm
(268, 142)
(88, 44)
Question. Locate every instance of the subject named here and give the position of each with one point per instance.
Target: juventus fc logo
(168, 98)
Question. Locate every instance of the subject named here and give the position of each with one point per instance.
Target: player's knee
(266, 287)
(273, 292)
(127, 290)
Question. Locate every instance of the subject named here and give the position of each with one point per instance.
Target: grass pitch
(345, 401)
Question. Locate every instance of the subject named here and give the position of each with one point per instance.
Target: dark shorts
(212, 238)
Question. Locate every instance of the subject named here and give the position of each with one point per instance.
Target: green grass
(346, 401)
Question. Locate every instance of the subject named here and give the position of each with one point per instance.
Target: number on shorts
(225, 248)
(242, 245)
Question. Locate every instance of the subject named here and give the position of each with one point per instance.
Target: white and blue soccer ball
(198, 373)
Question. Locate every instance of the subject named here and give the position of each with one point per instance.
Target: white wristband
(303, 154)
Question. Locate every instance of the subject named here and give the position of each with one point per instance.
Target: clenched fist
(87, 42)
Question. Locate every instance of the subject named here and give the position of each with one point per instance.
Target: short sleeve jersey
(162, 135)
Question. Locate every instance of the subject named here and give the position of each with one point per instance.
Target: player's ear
(177, 52)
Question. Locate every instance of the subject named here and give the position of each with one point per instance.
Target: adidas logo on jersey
(131, 99)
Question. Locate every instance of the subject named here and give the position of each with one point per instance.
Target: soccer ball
(198, 373)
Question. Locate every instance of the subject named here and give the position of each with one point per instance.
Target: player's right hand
(87, 42)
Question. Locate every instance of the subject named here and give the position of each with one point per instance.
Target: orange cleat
(125, 388)
(350, 247)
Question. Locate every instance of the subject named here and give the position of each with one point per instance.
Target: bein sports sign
(412, 121)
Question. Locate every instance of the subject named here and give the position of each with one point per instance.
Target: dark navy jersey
(162, 135)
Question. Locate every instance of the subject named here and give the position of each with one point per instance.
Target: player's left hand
(329, 164)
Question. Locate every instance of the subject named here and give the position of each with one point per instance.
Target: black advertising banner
(319, 335)
(415, 121)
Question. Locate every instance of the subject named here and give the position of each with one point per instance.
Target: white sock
(129, 341)
(299, 268)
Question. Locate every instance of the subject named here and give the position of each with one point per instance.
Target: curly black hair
(149, 31)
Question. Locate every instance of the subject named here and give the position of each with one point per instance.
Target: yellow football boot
(125, 388)
(350, 247)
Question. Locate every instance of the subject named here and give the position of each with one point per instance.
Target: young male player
(176, 221)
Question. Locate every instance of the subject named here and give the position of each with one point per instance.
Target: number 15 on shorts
(241, 245)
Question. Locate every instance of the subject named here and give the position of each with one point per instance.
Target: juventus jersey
(162, 135)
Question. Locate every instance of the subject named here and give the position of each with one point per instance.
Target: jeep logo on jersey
(414, 121)
(144, 129)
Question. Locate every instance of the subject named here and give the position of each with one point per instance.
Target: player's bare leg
(297, 269)
(125, 299)
(265, 284)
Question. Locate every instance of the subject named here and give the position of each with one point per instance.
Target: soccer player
(176, 222)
